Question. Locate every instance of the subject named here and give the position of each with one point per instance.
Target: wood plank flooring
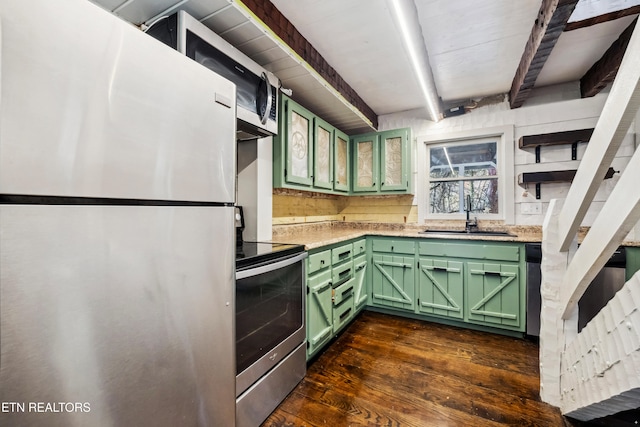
(392, 371)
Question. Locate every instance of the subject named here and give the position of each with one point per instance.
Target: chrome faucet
(470, 225)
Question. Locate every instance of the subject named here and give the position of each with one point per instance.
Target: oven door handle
(269, 267)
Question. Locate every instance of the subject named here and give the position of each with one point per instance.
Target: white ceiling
(474, 47)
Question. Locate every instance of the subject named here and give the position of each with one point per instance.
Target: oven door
(269, 316)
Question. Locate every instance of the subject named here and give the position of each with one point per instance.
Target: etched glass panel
(299, 145)
(393, 161)
(365, 164)
(341, 162)
(323, 151)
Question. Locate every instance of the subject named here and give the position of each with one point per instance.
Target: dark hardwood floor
(392, 371)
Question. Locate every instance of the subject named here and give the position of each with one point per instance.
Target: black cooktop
(251, 254)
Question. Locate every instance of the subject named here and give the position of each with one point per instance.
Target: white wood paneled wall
(551, 109)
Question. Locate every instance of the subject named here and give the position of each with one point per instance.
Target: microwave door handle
(267, 85)
(270, 267)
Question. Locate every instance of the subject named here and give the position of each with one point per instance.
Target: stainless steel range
(270, 327)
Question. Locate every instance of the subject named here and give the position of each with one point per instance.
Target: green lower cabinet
(392, 281)
(494, 295)
(319, 311)
(360, 293)
(441, 287)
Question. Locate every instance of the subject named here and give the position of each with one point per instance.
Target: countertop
(318, 234)
(315, 235)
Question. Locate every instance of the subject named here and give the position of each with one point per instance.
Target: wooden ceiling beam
(605, 69)
(633, 10)
(546, 31)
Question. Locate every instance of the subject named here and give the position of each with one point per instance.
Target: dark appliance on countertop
(257, 88)
(270, 325)
(603, 287)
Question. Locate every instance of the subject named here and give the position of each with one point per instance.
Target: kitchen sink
(470, 233)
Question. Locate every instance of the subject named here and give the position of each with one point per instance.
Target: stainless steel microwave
(257, 88)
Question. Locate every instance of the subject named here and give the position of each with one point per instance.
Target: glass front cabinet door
(366, 163)
(382, 162)
(341, 163)
(298, 143)
(323, 154)
(394, 160)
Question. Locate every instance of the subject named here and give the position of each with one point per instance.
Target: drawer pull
(347, 291)
(345, 314)
(344, 273)
(344, 254)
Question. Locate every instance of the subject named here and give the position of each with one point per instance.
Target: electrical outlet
(534, 208)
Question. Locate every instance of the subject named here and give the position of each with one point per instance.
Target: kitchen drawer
(359, 247)
(500, 252)
(341, 253)
(342, 313)
(342, 292)
(342, 273)
(318, 261)
(394, 246)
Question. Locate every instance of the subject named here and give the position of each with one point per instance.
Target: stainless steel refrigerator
(117, 183)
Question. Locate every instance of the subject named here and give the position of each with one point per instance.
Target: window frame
(506, 182)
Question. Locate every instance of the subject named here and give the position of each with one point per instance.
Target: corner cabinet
(309, 153)
(341, 162)
(382, 162)
(392, 281)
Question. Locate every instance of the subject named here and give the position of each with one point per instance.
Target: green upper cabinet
(382, 162)
(293, 147)
(341, 169)
(395, 161)
(366, 175)
(309, 153)
(323, 154)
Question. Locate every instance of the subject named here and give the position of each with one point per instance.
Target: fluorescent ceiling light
(406, 17)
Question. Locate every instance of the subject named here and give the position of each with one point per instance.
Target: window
(464, 172)
(475, 166)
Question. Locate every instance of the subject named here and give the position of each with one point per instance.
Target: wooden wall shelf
(526, 178)
(572, 137)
